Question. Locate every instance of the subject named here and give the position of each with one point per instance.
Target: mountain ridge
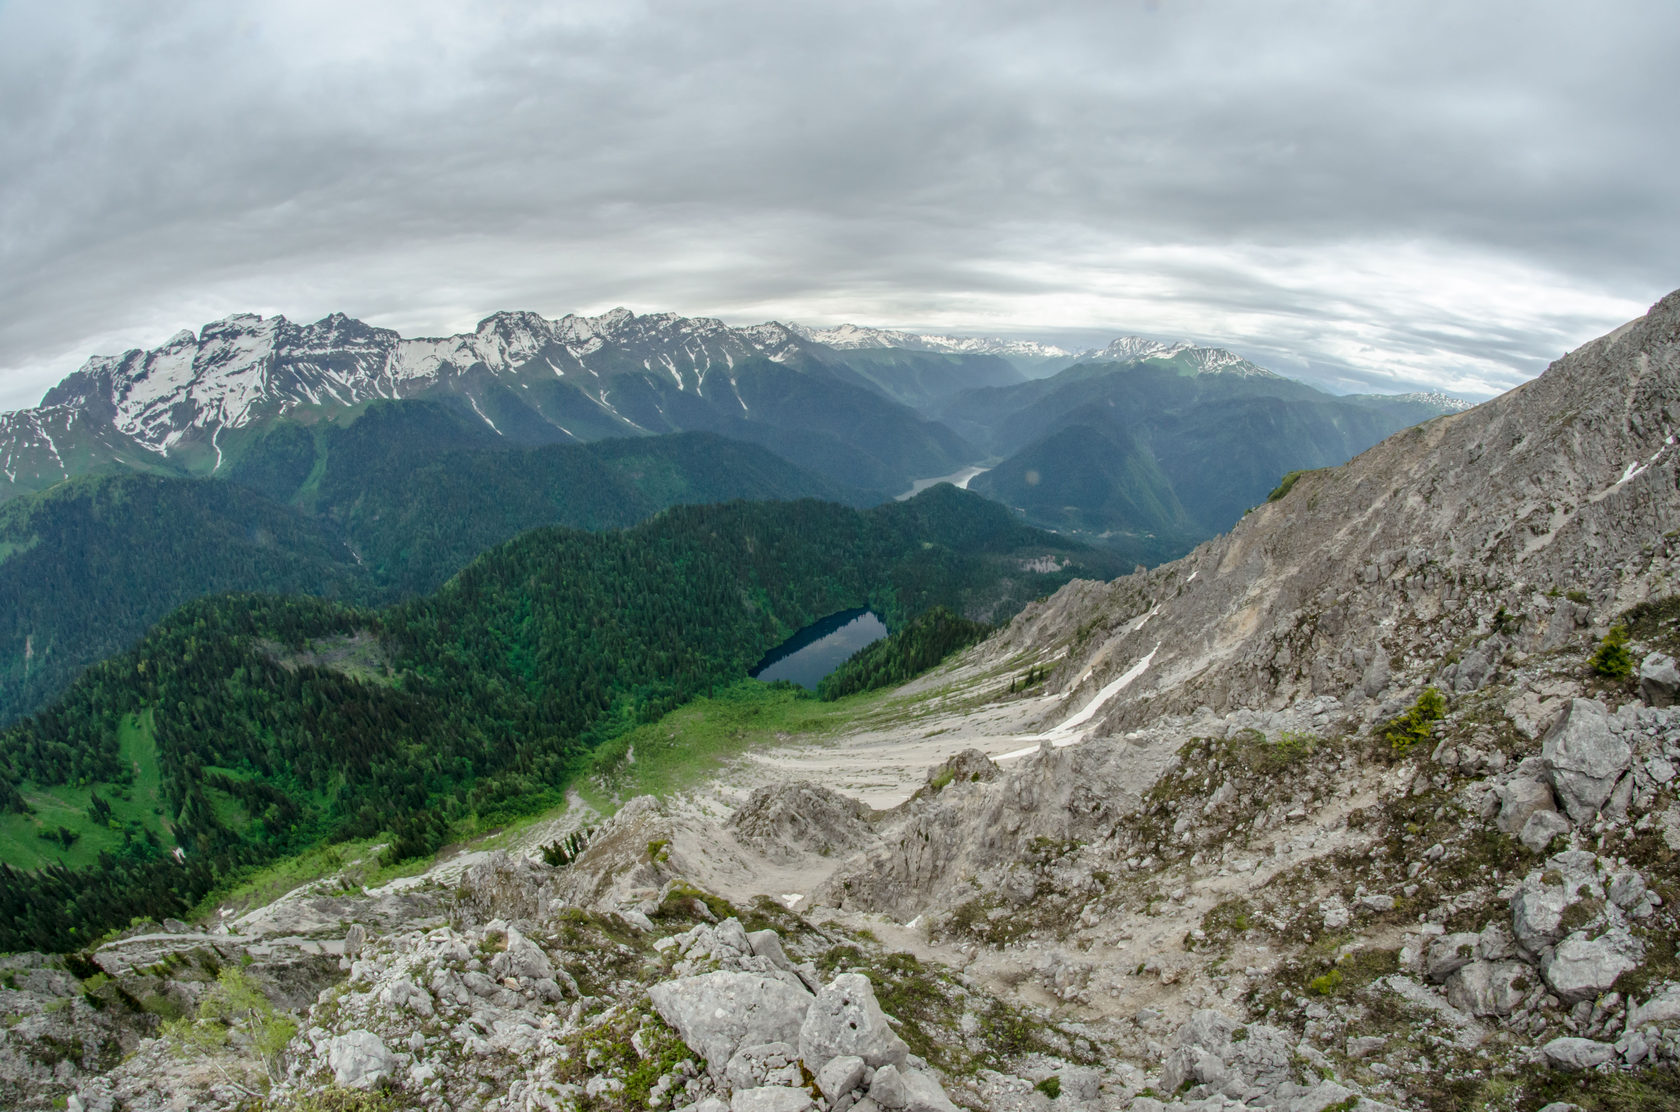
(582, 377)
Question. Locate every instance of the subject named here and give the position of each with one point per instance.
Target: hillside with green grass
(245, 728)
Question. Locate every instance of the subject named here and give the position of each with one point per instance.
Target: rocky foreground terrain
(1349, 809)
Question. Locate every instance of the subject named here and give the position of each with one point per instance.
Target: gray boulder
(767, 944)
(1496, 943)
(1326, 1094)
(1195, 1065)
(1448, 954)
(840, 1076)
(771, 1098)
(1584, 758)
(1661, 1010)
(522, 958)
(718, 1013)
(1537, 910)
(1540, 829)
(1659, 680)
(908, 1090)
(1490, 988)
(1627, 889)
(359, 1059)
(1577, 1054)
(844, 1019)
(1580, 968)
(1521, 798)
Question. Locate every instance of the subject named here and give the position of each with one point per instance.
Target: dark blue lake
(820, 648)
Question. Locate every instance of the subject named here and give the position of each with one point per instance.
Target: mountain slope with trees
(246, 727)
(383, 508)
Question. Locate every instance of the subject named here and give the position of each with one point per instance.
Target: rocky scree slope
(1514, 526)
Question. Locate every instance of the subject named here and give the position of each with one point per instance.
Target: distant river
(956, 478)
(820, 648)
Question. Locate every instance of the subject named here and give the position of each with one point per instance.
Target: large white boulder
(718, 1013)
(845, 1019)
(771, 1098)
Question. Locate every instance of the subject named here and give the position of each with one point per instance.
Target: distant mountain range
(816, 396)
(355, 464)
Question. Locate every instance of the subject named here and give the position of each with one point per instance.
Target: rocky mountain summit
(1373, 803)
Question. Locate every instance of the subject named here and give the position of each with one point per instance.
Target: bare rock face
(784, 821)
(1584, 758)
(1408, 548)
(970, 765)
(966, 827)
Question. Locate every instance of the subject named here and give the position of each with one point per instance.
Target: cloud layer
(1373, 195)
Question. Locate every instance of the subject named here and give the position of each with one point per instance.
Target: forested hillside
(381, 509)
(243, 728)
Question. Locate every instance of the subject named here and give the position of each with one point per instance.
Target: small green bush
(1325, 985)
(1051, 1086)
(1613, 660)
(1417, 724)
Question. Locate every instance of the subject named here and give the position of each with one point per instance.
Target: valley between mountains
(1369, 802)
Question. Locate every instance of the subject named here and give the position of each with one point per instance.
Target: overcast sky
(1375, 195)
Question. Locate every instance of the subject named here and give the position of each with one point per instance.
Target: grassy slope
(140, 803)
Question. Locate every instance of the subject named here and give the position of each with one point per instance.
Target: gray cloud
(1375, 195)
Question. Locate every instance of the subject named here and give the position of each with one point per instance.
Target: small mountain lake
(820, 648)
